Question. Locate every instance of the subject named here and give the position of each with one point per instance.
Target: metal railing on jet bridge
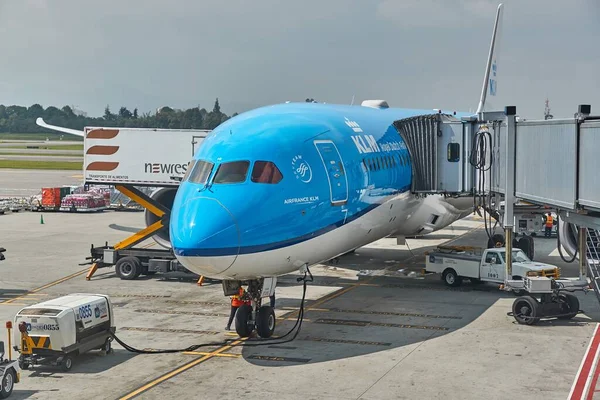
(593, 259)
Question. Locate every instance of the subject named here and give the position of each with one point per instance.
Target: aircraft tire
(265, 322)
(496, 240)
(527, 245)
(243, 326)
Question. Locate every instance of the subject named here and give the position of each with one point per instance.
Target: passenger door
(336, 174)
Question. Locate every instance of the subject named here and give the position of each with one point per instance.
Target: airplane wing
(40, 122)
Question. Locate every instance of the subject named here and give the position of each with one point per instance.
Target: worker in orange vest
(549, 223)
(237, 301)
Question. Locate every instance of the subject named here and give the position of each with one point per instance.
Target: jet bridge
(502, 161)
(437, 144)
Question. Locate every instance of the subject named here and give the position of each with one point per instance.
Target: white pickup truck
(456, 263)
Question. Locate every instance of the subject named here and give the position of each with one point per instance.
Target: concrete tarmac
(370, 331)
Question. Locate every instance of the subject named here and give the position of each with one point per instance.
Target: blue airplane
(280, 188)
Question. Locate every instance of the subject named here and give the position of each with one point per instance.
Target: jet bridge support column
(509, 194)
(582, 251)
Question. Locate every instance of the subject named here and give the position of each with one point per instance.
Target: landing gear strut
(261, 318)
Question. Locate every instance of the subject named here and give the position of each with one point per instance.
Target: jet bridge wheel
(526, 310)
(569, 305)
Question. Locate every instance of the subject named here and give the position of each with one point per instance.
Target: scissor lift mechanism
(130, 261)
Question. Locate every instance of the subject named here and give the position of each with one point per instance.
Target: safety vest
(549, 221)
(236, 300)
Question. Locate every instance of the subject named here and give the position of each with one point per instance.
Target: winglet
(40, 122)
(490, 81)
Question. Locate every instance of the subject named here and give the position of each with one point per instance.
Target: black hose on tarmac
(251, 342)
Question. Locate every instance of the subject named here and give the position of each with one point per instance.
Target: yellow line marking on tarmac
(56, 282)
(215, 353)
(179, 370)
(201, 353)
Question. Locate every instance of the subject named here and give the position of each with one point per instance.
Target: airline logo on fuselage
(301, 169)
(354, 125)
(493, 80)
(368, 144)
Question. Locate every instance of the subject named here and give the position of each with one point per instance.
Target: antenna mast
(547, 114)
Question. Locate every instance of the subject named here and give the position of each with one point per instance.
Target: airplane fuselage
(342, 180)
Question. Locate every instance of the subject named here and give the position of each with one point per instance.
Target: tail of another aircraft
(490, 80)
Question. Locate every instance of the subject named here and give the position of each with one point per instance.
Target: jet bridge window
(453, 152)
(232, 172)
(266, 172)
(200, 171)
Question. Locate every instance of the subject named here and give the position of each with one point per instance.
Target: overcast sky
(184, 53)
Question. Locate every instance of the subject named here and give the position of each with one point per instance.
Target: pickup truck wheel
(451, 278)
(8, 383)
(569, 304)
(525, 310)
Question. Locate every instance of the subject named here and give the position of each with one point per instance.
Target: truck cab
(456, 263)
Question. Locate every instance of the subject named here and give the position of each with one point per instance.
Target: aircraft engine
(164, 196)
(568, 237)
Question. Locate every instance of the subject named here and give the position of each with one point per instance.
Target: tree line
(19, 119)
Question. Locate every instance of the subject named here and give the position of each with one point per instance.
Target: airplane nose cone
(204, 235)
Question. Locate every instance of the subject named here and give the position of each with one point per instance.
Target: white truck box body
(57, 319)
(142, 156)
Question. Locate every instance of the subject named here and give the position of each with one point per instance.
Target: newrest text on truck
(130, 158)
(455, 263)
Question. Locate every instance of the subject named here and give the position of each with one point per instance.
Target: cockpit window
(232, 172)
(188, 170)
(266, 172)
(200, 171)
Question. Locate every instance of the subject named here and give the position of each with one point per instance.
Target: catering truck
(131, 159)
(455, 263)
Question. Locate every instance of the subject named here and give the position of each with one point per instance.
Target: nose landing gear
(257, 317)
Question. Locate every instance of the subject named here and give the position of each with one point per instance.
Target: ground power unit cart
(56, 331)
